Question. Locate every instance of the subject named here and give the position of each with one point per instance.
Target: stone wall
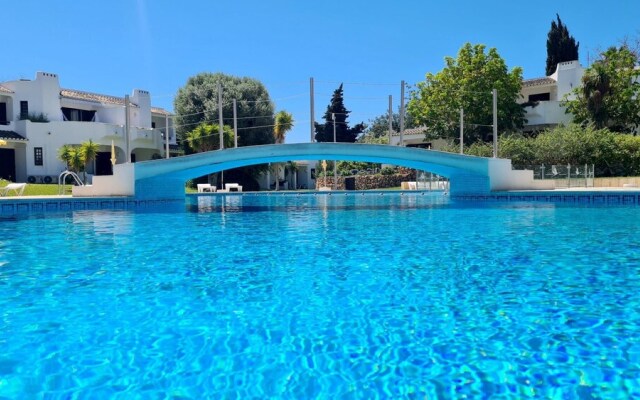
(368, 182)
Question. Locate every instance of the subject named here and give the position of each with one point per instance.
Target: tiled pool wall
(36, 205)
(567, 197)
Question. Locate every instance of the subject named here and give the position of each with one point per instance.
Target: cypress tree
(560, 46)
(324, 132)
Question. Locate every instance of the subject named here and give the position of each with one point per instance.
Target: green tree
(560, 46)
(76, 160)
(378, 128)
(88, 151)
(467, 82)
(608, 96)
(206, 137)
(64, 154)
(284, 123)
(197, 102)
(324, 132)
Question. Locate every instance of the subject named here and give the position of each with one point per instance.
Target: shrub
(34, 117)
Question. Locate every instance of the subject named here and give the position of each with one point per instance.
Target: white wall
(547, 112)
(53, 135)
(141, 115)
(121, 183)
(568, 75)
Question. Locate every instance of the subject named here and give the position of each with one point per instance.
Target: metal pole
(166, 135)
(402, 113)
(220, 121)
(335, 163)
(235, 123)
(126, 127)
(390, 119)
(495, 123)
(461, 130)
(311, 105)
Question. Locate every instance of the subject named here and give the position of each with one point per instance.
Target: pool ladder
(63, 177)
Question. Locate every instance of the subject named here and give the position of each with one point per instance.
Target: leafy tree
(197, 102)
(608, 96)
(378, 128)
(467, 82)
(324, 132)
(560, 46)
(206, 137)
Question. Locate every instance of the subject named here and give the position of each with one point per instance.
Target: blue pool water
(322, 297)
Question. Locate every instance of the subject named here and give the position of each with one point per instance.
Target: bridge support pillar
(469, 184)
(160, 189)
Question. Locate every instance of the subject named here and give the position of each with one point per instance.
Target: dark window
(74, 114)
(24, 109)
(3, 114)
(153, 125)
(37, 156)
(540, 97)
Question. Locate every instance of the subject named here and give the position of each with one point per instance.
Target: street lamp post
(335, 168)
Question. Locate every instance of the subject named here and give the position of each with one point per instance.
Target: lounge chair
(18, 189)
(206, 187)
(232, 187)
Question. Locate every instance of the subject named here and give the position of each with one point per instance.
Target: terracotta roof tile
(538, 82)
(94, 97)
(5, 90)
(412, 131)
(11, 135)
(102, 98)
(158, 110)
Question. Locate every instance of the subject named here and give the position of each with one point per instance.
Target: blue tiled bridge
(468, 175)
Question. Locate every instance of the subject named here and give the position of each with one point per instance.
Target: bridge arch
(468, 174)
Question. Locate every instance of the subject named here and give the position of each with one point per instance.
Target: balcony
(547, 113)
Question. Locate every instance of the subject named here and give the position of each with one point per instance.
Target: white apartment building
(73, 117)
(546, 95)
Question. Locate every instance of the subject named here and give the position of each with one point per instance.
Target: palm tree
(88, 152)
(596, 86)
(284, 123)
(76, 159)
(64, 154)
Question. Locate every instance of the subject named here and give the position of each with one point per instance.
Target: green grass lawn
(37, 189)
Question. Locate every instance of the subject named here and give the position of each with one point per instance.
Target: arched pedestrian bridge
(165, 178)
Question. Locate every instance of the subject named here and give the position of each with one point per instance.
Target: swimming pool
(322, 296)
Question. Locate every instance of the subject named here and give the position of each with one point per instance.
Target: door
(8, 164)
(103, 163)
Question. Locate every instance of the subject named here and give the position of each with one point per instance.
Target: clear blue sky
(114, 46)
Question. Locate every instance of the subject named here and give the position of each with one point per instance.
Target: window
(37, 156)
(24, 109)
(153, 125)
(540, 97)
(74, 114)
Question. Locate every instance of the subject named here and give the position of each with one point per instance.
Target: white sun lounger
(206, 187)
(18, 189)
